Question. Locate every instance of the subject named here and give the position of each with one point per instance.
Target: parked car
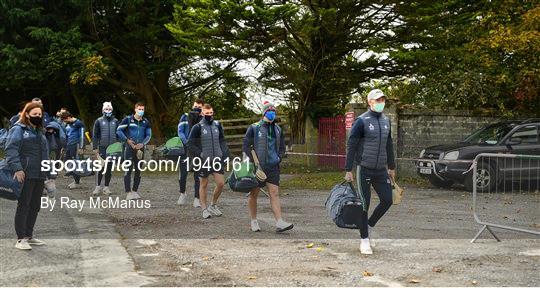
(444, 165)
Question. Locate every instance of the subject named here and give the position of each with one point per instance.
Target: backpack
(243, 179)
(345, 207)
(174, 148)
(114, 150)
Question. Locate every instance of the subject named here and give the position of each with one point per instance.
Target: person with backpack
(75, 144)
(103, 135)
(371, 151)
(265, 137)
(26, 148)
(187, 121)
(207, 142)
(135, 132)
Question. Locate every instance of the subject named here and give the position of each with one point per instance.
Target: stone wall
(414, 130)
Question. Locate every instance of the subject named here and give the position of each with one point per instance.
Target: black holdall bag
(345, 206)
(10, 188)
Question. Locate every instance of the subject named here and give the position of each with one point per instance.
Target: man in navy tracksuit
(370, 149)
(267, 140)
(103, 135)
(187, 121)
(135, 131)
(75, 142)
(207, 142)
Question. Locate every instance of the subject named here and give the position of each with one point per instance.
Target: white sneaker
(365, 247)
(22, 244)
(35, 241)
(206, 214)
(133, 196)
(97, 191)
(282, 226)
(214, 210)
(196, 203)
(106, 191)
(74, 185)
(181, 199)
(255, 226)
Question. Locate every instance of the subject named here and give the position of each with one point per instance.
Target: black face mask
(198, 110)
(36, 120)
(209, 118)
(193, 118)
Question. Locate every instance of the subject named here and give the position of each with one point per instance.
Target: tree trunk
(298, 121)
(156, 97)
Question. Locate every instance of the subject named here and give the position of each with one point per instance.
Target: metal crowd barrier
(506, 193)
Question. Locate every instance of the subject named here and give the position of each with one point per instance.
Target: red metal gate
(332, 137)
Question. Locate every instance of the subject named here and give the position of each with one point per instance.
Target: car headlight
(451, 155)
(422, 153)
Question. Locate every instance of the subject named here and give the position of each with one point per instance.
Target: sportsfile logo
(118, 164)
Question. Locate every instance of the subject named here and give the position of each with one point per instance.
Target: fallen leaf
(310, 245)
(205, 258)
(367, 274)
(319, 249)
(437, 269)
(474, 282)
(252, 277)
(415, 281)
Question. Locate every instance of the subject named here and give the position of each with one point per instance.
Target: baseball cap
(375, 94)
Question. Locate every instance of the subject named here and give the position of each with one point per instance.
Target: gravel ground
(422, 242)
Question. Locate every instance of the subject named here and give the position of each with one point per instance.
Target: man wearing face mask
(266, 138)
(187, 121)
(370, 150)
(207, 142)
(104, 134)
(135, 131)
(75, 142)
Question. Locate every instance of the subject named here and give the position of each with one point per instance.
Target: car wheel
(437, 182)
(485, 181)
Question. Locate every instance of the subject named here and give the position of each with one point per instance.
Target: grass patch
(317, 180)
(414, 181)
(313, 180)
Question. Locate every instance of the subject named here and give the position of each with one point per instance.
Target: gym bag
(345, 207)
(243, 179)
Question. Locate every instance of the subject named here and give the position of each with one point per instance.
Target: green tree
(316, 53)
(80, 52)
(470, 54)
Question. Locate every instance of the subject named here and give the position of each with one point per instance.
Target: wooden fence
(235, 131)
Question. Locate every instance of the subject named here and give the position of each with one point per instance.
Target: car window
(528, 135)
(489, 135)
